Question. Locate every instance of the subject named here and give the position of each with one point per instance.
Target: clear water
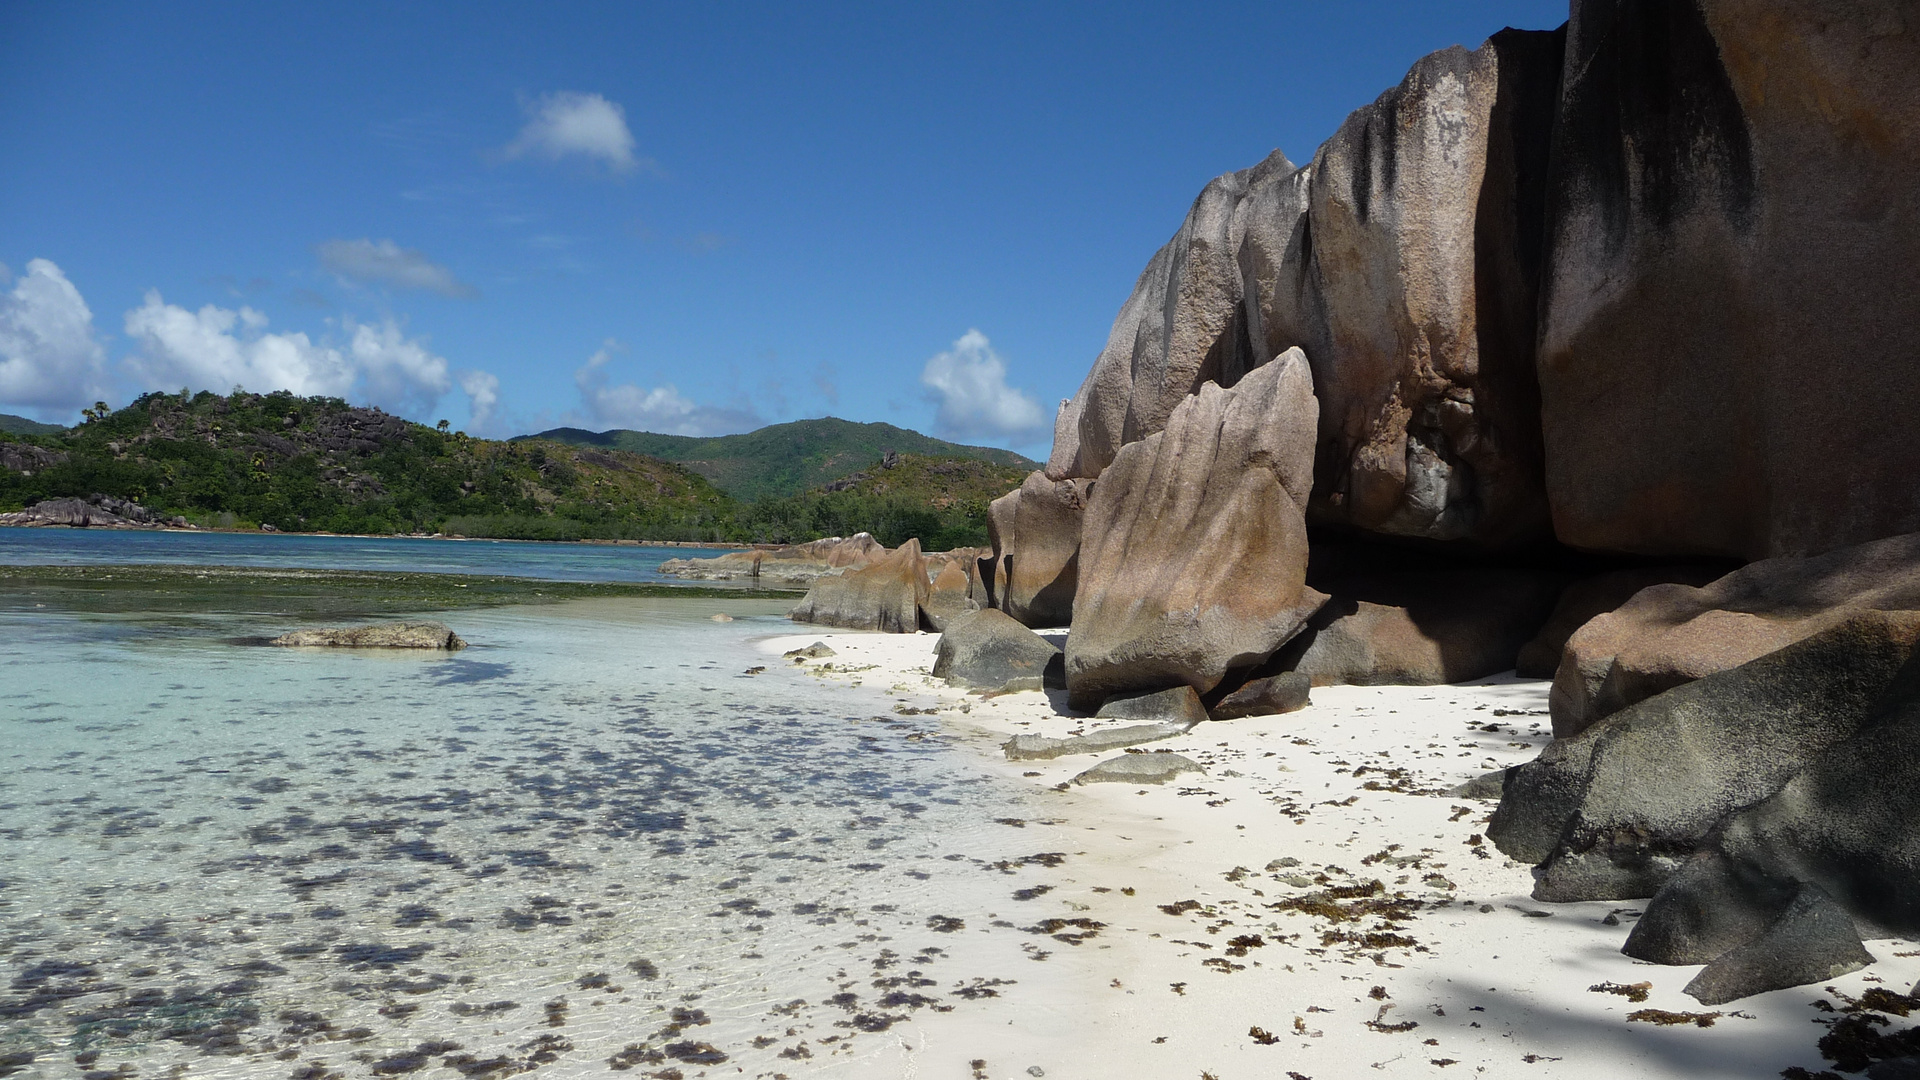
(591, 834)
(514, 558)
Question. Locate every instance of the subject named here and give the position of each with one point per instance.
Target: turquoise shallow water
(515, 558)
(591, 834)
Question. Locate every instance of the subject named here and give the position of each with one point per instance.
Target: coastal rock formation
(1421, 627)
(1041, 747)
(1813, 940)
(1612, 812)
(989, 649)
(1667, 635)
(1283, 693)
(1035, 533)
(1725, 362)
(1425, 220)
(1194, 550)
(1155, 768)
(384, 635)
(1218, 300)
(886, 595)
(1175, 705)
(1583, 601)
(97, 511)
(947, 595)
(791, 565)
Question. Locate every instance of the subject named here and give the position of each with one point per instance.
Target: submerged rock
(385, 635)
(1155, 768)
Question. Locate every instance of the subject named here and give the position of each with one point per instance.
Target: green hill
(320, 465)
(20, 425)
(941, 500)
(785, 459)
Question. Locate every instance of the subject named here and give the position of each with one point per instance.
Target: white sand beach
(1218, 954)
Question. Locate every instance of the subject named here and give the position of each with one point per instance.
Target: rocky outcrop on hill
(791, 565)
(1194, 550)
(887, 594)
(1725, 361)
(385, 635)
(28, 459)
(1035, 533)
(1667, 635)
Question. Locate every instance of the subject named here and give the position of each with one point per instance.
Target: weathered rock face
(1425, 221)
(1035, 533)
(1588, 599)
(1403, 261)
(1725, 365)
(386, 635)
(1422, 626)
(988, 648)
(1667, 635)
(947, 596)
(1210, 306)
(886, 595)
(1175, 705)
(1615, 810)
(1194, 551)
(792, 564)
(29, 459)
(1154, 768)
(93, 512)
(1283, 693)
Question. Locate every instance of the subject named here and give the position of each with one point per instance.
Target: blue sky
(686, 218)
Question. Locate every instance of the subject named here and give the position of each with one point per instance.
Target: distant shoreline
(735, 545)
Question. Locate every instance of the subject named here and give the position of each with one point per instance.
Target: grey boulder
(1286, 692)
(1812, 941)
(385, 635)
(1176, 705)
(1154, 768)
(991, 650)
(1041, 747)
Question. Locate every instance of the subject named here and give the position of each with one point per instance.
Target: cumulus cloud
(217, 349)
(483, 396)
(49, 359)
(566, 123)
(387, 263)
(662, 409)
(969, 383)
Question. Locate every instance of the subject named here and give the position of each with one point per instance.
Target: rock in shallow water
(386, 635)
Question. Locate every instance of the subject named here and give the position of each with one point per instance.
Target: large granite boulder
(886, 595)
(1613, 811)
(1849, 822)
(1667, 635)
(793, 564)
(1426, 624)
(990, 649)
(1403, 261)
(1194, 551)
(1589, 598)
(383, 635)
(948, 594)
(1223, 296)
(1035, 533)
(1425, 220)
(1726, 363)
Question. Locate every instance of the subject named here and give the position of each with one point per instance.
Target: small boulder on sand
(1283, 693)
(1139, 769)
(384, 635)
(991, 650)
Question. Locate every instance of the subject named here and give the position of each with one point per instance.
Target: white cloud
(662, 409)
(388, 263)
(49, 359)
(564, 122)
(217, 349)
(483, 396)
(969, 383)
